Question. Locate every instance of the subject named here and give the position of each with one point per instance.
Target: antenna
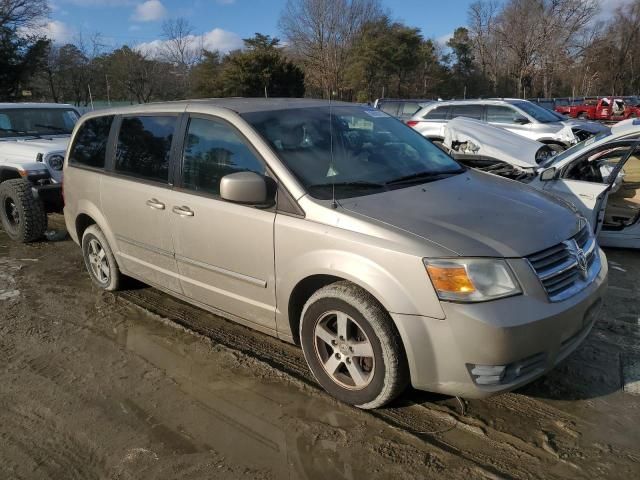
(332, 171)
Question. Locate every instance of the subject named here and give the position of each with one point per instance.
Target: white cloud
(216, 39)
(98, 3)
(149, 11)
(607, 7)
(443, 39)
(59, 32)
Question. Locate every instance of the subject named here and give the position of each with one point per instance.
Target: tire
(99, 260)
(380, 374)
(23, 217)
(555, 147)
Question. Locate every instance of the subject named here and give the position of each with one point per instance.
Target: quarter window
(212, 150)
(438, 113)
(144, 145)
(90, 144)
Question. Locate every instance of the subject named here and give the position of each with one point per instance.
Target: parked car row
(336, 227)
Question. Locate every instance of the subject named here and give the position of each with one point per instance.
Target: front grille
(568, 267)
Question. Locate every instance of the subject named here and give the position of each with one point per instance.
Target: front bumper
(527, 334)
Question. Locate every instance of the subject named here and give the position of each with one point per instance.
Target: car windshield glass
(26, 122)
(542, 115)
(576, 148)
(370, 152)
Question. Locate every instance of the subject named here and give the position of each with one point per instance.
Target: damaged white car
(600, 176)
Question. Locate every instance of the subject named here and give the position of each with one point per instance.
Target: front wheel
(99, 259)
(352, 347)
(23, 217)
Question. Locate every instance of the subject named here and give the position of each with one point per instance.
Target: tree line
(348, 49)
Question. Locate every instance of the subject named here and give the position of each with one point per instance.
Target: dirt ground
(139, 385)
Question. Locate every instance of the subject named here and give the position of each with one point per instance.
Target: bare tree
(321, 33)
(15, 14)
(181, 46)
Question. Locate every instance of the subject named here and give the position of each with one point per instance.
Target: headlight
(56, 162)
(543, 154)
(471, 279)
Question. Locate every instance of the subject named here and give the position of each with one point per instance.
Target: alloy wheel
(344, 350)
(98, 262)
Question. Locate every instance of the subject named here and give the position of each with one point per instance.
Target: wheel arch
(89, 214)
(296, 287)
(8, 173)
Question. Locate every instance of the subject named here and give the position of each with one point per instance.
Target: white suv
(518, 116)
(33, 141)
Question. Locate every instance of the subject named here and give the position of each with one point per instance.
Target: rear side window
(212, 150)
(144, 145)
(390, 107)
(469, 111)
(409, 108)
(438, 113)
(90, 144)
(499, 114)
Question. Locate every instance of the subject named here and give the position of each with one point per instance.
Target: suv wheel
(99, 259)
(351, 346)
(22, 216)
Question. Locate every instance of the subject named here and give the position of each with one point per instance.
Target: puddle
(264, 424)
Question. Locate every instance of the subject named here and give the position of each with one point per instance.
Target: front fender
(398, 281)
(86, 207)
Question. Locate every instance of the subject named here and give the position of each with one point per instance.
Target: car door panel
(225, 258)
(588, 197)
(136, 196)
(224, 251)
(145, 245)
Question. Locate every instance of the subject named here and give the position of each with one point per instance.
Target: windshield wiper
(422, 176)
(53, 127)
(356, 184)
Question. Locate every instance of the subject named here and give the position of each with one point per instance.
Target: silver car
(518, 116)
(340, 229)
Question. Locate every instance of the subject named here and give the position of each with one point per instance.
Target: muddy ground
(138, 385)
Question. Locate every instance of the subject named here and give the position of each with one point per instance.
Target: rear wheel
(352, 347)
(23, 217)
(99, 259)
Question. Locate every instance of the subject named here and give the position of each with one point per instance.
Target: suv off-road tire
(93, 238)
(390, 375)
(23, 217)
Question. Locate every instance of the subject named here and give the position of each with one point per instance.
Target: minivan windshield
(542, 115)
(355, 151)
(35, 122)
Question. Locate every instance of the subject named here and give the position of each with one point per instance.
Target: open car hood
(493, 142)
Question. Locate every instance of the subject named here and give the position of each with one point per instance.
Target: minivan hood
(473, 214)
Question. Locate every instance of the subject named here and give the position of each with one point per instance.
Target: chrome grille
(568, 267)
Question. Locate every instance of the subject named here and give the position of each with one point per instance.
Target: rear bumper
(50, 195)
(525, 334)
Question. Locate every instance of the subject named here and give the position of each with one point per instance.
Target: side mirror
(548, 174)
(245, 187)
(521, 120)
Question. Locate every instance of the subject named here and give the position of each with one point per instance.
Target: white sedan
(600, 176)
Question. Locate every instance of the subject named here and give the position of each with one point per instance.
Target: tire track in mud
(494, 453)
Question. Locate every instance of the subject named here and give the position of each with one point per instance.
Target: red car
(608, 109)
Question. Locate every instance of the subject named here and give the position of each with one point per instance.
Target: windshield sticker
(376, 113)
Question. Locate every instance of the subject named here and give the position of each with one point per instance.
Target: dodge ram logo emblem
(583, 266)
(579, 256)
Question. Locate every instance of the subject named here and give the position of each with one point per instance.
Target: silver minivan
(338, 228)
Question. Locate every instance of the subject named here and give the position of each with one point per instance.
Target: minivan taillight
(412, 123)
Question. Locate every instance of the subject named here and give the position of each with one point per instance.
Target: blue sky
(223, 23)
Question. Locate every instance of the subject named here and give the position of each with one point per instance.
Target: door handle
(154, 203)
(183, 211)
